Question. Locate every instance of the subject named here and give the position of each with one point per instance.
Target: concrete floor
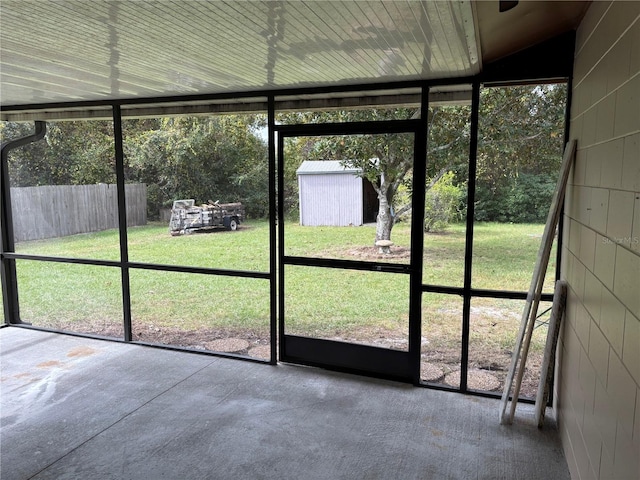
(75, 408)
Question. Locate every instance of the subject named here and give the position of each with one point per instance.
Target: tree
(384, 159)
(520, 133)
(72, 153)
(442, 203)
(27, 164)
(204, 158)
(81, 153)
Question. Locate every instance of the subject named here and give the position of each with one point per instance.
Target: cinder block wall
(599, 374)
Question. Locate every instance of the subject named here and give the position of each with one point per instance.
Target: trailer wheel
(233, 224)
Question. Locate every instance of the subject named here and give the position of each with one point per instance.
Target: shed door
(344, 303)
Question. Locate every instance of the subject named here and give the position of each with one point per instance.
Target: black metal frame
(9, 256)
(467, 292)
(277, 257)
(342, 356)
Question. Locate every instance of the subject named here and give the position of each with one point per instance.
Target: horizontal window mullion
(200, 270)
(347, 264)
(143, 266)
(483, 293)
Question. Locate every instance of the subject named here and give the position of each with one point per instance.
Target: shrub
(489, 203)
(523, 199)
(529, 198)
(443, 203)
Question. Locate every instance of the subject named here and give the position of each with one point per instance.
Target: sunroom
(456, 112)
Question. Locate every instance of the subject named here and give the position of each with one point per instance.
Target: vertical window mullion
(468, 256)
(273, 216)
(417, 237)
(122, 221)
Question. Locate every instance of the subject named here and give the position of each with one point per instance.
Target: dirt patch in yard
(237, 341)
(373, 253)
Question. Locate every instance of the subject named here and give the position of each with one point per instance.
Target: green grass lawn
(323, 302)
(504, 257)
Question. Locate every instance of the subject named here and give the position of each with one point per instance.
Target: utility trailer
(187, 217)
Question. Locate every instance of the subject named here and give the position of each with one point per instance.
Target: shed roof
(324, 167)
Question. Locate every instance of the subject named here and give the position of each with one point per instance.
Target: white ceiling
(92, 50)
(88, 50)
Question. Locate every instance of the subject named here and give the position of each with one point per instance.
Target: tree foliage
(73, 153)
(443, 203)
(519, 151)
(205, 158)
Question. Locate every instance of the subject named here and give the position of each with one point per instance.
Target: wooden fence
(61, 210)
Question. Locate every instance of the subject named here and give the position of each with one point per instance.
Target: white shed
(330, 194)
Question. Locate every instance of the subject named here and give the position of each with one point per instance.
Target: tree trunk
(384, 220)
